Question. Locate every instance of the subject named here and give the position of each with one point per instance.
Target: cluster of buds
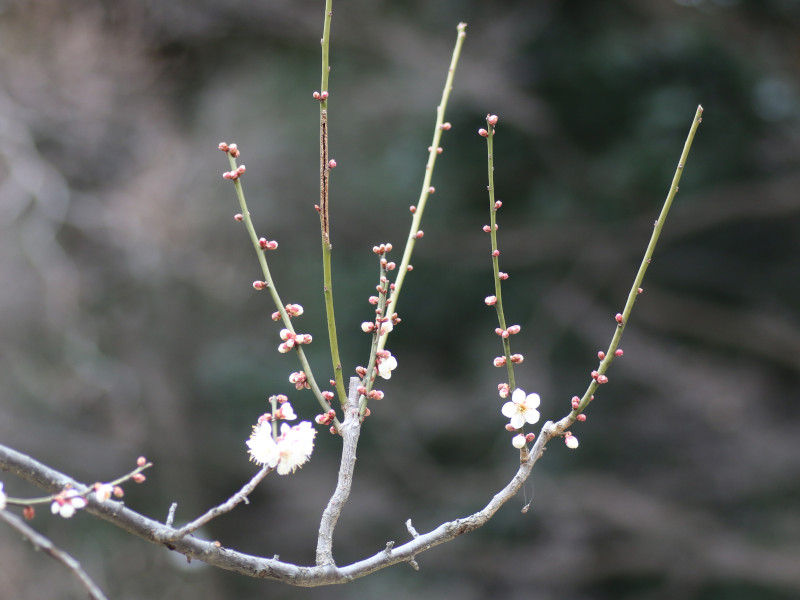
(293, 310)
(599, 378)
(235, 174)
(325, 418)
(290, 339)
(491, 121)
(504, 333)
(522, 439)
(232, 149)
(371, 394)
(321, 96)
(265, 244)
(386, 324)
(382, 249)
(504, 390)
(299, 380)
(500, 361)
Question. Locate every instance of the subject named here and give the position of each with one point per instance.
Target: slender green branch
(494, 205)
(433, 152)
(325, 166)
(622, 318)
(270, 285)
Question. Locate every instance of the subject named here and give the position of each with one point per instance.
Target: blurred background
(128, 323)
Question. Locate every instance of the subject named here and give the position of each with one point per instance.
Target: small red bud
(601, 355)
(496, 253)
(503, 276)
(263, 243)
(410, 268)
(529, 437)
(259, 285)
(581, 417)
(594, 374)
(446, 126)
(141, 461)
(491, 120)
(316, 96)
(138, 477)
(332, 430)
(28, 512)
(439, 150)
(602, 379)
(238, 217)
(618, 318)
(639, 291)
(510, 427)
(223, 146)
(498, 204)
(332, 163)
(420, 233)
(618, 352)
(482, 132)
(431, 190)
(324, 95)
(412, 209)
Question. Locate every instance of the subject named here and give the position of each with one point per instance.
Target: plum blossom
(288, 452)
(386, 364)
(103, 491)
(518, 441)
(522, 408)
(67, 503)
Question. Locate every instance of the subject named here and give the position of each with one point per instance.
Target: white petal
(509, 409)
(533, 400)
(518, 396)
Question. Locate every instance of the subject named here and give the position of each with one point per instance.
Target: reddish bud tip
(601, 355)
(503, 276)
(491, 120)
(259, 285)
(332, 164)
(431, 190)
(141, 461)
(446, 126)
(594, 374)
(238, 217)
(316, 96)
(618, 318)
(510, 427)
(482, 132)
(223, 146)
(490, 300)
(439, 150)
(498, 204)
(412, 209)
(263, 243)
(410, 268)
(639, 291)
(496, 253)
(324, 95)
(529, 437)
(618, 352)
(420, 233)
(138, 477)
(602, 379)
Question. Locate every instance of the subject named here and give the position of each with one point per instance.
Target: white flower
(522, 408)
(518, 441)
(571, 441)
(67, 503)
(386, 327)
(263, 449)
(387, 365)
(103, 491)
(290, 451)
(3, 497)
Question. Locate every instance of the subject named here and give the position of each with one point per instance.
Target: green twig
(324, 180)
(433, 152)
(622, 318)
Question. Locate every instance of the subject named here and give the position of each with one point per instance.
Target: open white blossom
(387, 365)
(3, 497)
(522, 409)
(67, 503)
(290, 451)
(286, 412)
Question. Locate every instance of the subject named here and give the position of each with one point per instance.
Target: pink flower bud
(361, 371)
(332, 164)
(491, 120)
(581, 417)
(576, 402)
(276, 316)
(390, 266)
(503, 276)
(487, 229)
(495, 253)
(141, 461)
(328, 395)
(618, 352)
(618, 318)
(490, 300)
(238, 217)
(510, 427)
(446, 126)
(138, 477)
(420, 233)
(500, 361)
(227, 175)
(362, 390)
(498, 204)
(639, 291)
(294, 309)
(281, 398)
(286, 335)
(602, 379)
(514, 329)
(373, 299)
(272, 245)
(223, 146)
(483, 133)
(529, 437)
(241, 169)
(571, 441)
(517, 358)
(439, 150)
(263, 243)
(367, 327)
(376, 395)
(332, 430)
(409, 268)
(324, 95)
(601, 355)
(316, 96)
(431, 190)
(498, 330)
(259, 285)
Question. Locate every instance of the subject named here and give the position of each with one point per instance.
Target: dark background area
(128, 324)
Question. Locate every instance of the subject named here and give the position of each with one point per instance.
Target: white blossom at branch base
(386, 364)
(290, 451)
(67, 503)
(522, 409)
(103, 491)
(3, 497)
